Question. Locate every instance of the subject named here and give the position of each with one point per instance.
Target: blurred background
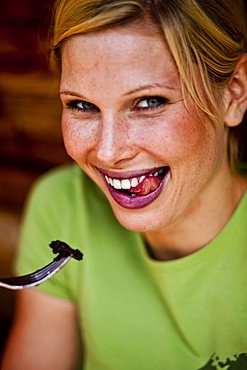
(30, 136)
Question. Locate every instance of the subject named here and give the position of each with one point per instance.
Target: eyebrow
(73, 93)
(140, 88)
(146, 87)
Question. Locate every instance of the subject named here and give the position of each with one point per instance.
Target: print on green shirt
(238, 363)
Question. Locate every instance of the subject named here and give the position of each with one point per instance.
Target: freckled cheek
(178, 138)
(171, 137)
(79, 138)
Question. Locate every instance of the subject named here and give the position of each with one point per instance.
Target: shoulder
(54, 191)
(64, 190)
(57, 183)
(58, 177)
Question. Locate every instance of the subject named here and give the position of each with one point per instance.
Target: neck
(201, 223)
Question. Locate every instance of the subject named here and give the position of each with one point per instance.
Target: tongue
(146, 186)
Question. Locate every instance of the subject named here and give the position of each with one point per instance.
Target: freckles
(78, 140)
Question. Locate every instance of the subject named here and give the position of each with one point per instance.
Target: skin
(115, 70)
(45, 334)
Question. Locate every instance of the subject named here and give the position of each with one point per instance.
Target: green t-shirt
(136, 312)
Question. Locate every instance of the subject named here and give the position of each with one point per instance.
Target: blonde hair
(211, 34)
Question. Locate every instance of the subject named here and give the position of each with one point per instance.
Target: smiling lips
(137, 192)
(141, 186)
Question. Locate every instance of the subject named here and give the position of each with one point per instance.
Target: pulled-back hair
(205, 36)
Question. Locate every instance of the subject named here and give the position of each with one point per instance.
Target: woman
(150, 93)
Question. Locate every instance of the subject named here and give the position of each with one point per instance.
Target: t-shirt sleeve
(43, 222)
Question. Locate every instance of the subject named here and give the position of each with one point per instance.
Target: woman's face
(126, 124)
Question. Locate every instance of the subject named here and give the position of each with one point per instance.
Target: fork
(46, 272)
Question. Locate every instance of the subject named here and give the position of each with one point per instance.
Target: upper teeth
(128, 183)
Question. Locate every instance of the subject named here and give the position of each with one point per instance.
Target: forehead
(146, 28)
(117, 54)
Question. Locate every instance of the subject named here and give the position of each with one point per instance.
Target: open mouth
(137, 192)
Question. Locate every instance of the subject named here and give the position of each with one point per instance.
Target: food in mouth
(139, 185)
(140, 191)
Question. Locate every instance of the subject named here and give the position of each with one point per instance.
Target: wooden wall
(30, 135)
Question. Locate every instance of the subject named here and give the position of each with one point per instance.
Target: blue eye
(151, 102)
(85, 105)
(82, 106)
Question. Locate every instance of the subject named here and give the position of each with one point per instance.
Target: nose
(115, 143)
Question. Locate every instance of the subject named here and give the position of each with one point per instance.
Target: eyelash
(160, 100)
(73, 104)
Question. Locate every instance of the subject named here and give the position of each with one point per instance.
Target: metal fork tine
(37, 277)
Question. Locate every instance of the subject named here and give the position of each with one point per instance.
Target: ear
(237, 94)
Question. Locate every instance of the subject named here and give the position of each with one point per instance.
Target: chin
(141, 220)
